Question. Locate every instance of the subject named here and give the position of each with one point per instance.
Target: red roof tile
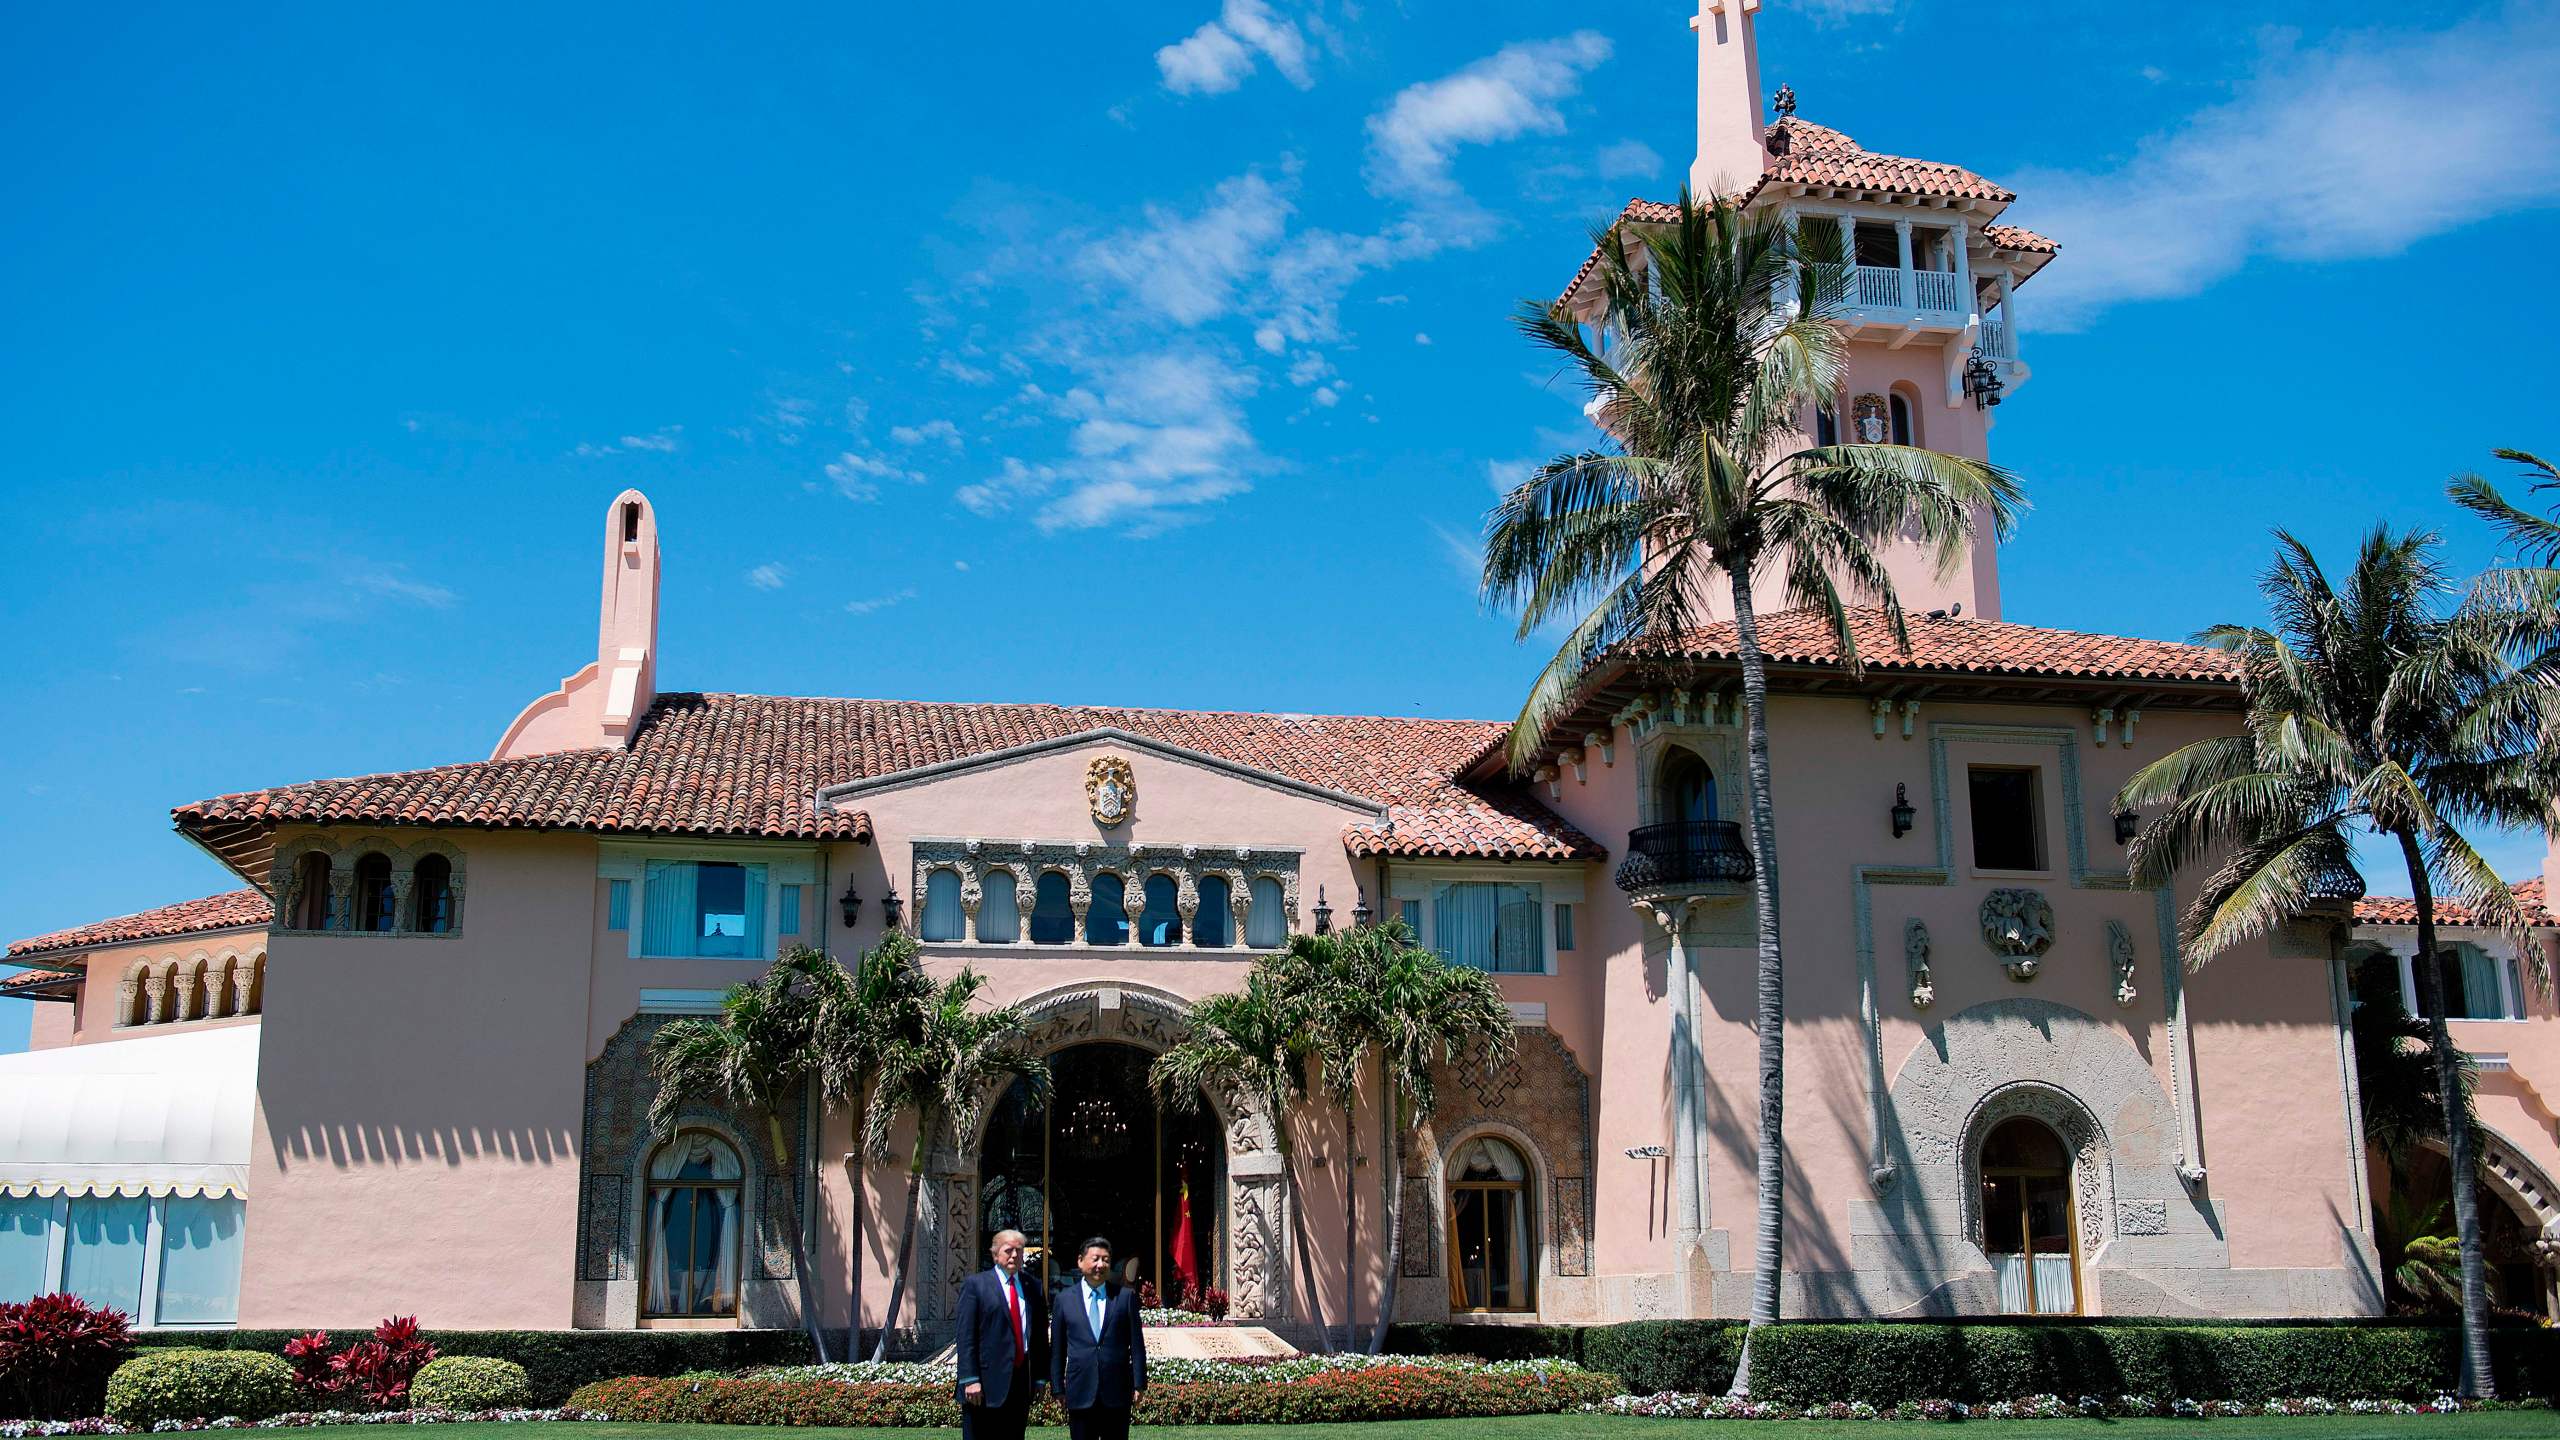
(1803, 153)
(30, 979)
(752, 765)
(228, 910)
(2018, 237)
(1948, 644)
(2403, 910)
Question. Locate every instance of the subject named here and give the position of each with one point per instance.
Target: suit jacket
(984, 1345)
(1090, 1373)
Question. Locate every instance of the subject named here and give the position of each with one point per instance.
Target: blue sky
(1152, 355)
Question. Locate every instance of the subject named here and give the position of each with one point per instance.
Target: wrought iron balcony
(1705, 854)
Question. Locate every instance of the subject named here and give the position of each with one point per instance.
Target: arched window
(1161, 922)
(1900, 411)
(1107, 921)
(221, 988)
(1266, 926)
(942, 918)
(999, 914)
(1826, 426)
(375, 908)
(694, 1227)
(1053, 916)
(311, 891)
(1492, 1243)
(2027, 1224)
(1212, 924)
(431, 895)
(1687, 789)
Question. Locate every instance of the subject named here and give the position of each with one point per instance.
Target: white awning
(166, 1115)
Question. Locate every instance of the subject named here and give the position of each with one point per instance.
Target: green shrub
(1696, 1356)
(1386, 1392)
(470, 1382)
(162, 1384)
(1487, 1342)
(557, 1361)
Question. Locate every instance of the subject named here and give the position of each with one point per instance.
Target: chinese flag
(1186, 1263)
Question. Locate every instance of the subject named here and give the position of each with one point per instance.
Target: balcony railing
(1939, 291)
(1684, 852)
(1880, 287)
(1997, 342)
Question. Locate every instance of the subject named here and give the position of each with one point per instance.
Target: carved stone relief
(1915, 958)
(2120, 954)
(981, 863)
(2018, 926)
(1541, 1095)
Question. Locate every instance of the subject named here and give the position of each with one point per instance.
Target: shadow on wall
(395, 1146)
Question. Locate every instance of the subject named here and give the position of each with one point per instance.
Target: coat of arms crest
(1110, 790)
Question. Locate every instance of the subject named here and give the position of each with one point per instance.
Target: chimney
(1730, 157)
(598, 707)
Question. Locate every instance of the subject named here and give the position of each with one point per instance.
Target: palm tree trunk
(1390, 1145)
(855, 1173)
(1770, 1018)
(906, 1234)
(1350, 1227)
(799, 1252)
(2477, 1382)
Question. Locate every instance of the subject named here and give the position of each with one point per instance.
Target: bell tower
(597, 707)
(1730, 154)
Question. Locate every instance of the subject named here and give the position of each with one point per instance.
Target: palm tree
(2537, 539)
(1723, 339)
(2421, 1261)
(1342, 1016)
(749, 1060)
(2396, 1085)
(941, 1058)
(1251, 1041)
(1430, 1013)
(2383, 703)
(856, 1019)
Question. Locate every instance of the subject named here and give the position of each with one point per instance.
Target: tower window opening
(630, 521)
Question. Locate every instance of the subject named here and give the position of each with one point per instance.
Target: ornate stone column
(1240, 901)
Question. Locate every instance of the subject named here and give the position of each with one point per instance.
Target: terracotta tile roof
(1803, 153)
(30, 979)
(751, 765)
(1503, 826)
(1979, 647)
(2403, 910)
(2018, 237)
(228, 910)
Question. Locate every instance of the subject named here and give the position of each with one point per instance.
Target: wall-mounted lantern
(2126, 824)
(893, 911)
(1903, 814)
(851, 900)
(1324, 914)
(1982, 381)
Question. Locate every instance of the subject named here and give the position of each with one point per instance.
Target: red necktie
(1013, 1312)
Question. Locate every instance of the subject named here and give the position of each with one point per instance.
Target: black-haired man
(1098, 1352)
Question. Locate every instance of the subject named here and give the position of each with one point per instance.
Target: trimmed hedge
(555, 1361)
(198, 1384)
(1984, 1358)
(1387, 1392)
(469, 1383)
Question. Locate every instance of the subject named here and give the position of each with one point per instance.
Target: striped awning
(162, 1115)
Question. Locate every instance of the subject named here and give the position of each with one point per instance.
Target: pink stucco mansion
(401, 1069)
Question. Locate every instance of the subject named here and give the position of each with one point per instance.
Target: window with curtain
(2473, 989)
(705, 909)
(1160, 923)
(999, 913)
(1491, 1241)
(617, 904)
(1266, 919)
(431, 894)
(942, 919)
(1490, 925)
(102, 1256)
(1411, 913)
(200, 1259)
(26, 1225)
(374, 903)
(790, 897)
(1053, 914)
(1106, 922)
(695, 1213)
(311, 892)
(1213, 924)
(2027, 1219)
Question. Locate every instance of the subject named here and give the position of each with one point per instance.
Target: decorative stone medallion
(1868, 418)
(2018, 926)
(1110, 790)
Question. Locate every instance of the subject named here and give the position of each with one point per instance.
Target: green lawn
(2507, 1425)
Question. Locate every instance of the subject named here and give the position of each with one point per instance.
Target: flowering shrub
(294, 1420)
(1675, 1405)
(1316, 1395)
(1171, 1319)
(373, 1372)
(1239, 1370)
(55, 1354)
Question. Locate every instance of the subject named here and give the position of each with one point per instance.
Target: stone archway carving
(2092, 1164)
(1257, 1213)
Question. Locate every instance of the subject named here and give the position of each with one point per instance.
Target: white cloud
(878, 602)
(1219, 55)
(393, 584)
(960, 565)
(1832, 12)
(771, 575)
(1188, 267)
(942, 430)
(1509, 93)
(1628, 160)
(1420, 338)
(1308, 368)
(1152, 437)
(1464, 553)
(2351, 150)
(664, 441)
(964, 372)
(856, 475)
(1327, 396)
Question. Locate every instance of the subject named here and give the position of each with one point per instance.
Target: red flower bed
(1395, 1392)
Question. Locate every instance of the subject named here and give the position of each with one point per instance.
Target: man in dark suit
(1097, 1355)
(1002, 1346)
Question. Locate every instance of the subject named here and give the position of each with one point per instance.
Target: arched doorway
(1687, 789)
(2029, 1228)
(1105, 1159)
